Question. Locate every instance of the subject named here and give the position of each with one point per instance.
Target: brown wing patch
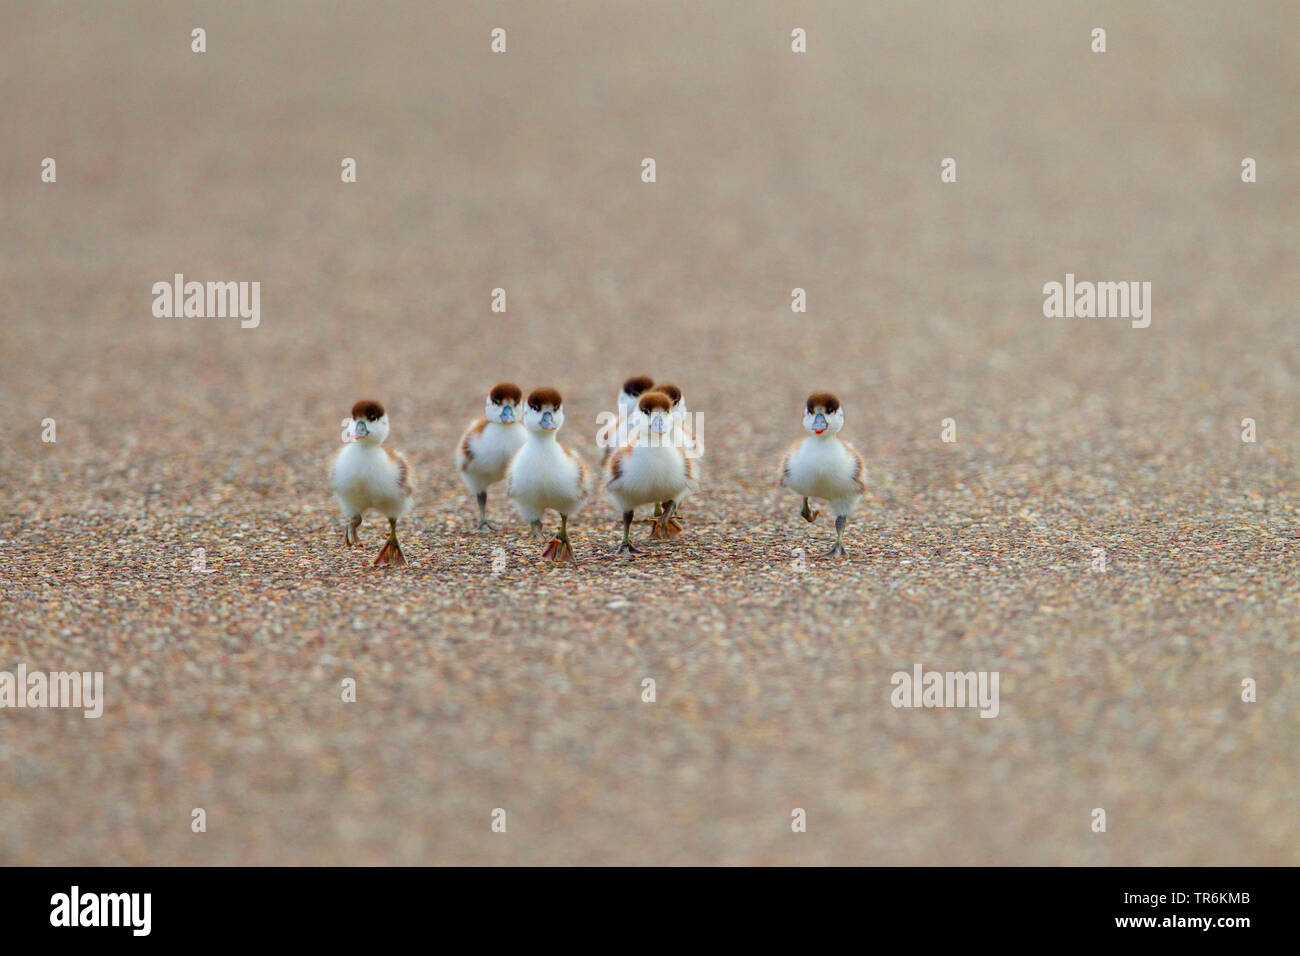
(582, 468)
(616, 463)
(785, 462)
(466, 453)
(404, 472)
(858, 468)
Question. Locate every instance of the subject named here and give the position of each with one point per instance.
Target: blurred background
(775, 171)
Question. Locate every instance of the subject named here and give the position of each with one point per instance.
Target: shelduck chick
(488, 445)
(683, 418)
(628, 396)
(823, 466)
(366, 475)
(544, 474)
(678, 409)
(691, 444)
(652, 468)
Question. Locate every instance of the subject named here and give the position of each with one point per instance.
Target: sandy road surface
(523, 690)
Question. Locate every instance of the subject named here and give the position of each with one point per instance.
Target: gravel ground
(522, 689)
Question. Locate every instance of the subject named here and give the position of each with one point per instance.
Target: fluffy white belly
(823, 470)
(542, 476)
(365, 478)
(651, 475)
